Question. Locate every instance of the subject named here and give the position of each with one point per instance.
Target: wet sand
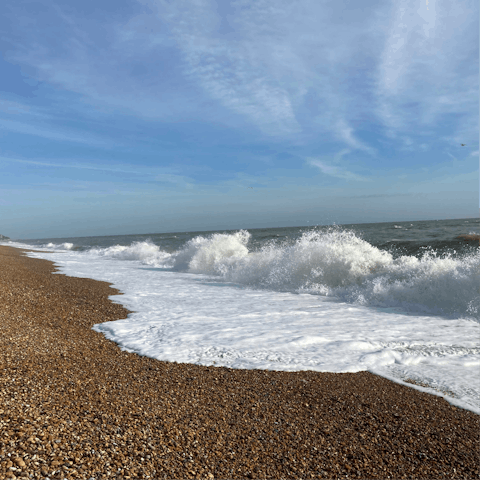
(73, 405)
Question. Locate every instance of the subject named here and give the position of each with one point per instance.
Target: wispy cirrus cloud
(77, 166)
(292, 70)
(230, 98)
(232, 68)
(153, 174)
(52, 133)
(427, 74)
(267, 62)
(336, 170)
(17, 108)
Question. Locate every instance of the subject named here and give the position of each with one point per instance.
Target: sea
(400, 299)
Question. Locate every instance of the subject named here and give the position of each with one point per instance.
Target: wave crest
(339, 264)
(60, 246)
(332, 262)
(145, 252)
(213, 255)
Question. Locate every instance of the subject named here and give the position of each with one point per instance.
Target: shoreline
(82, 407)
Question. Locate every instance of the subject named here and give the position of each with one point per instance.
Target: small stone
(123, 407)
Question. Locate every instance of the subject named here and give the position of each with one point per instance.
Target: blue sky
(146, 116)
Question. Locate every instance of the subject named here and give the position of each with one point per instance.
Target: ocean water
(401, 300)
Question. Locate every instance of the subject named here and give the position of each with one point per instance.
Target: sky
(146, 116)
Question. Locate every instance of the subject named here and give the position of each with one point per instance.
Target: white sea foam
(213, 255)
(338, 263)
(334, 263)
(189, 307)
(61, 246)
(145, 252)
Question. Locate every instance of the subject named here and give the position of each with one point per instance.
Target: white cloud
(283, 67)
(51, 133)
(426, 74)
(162, 175)
(16, 108)
(66, 164)
(345, 133)
(236, 72)
(335, 171)
(294, 70)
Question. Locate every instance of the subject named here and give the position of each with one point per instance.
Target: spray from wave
(145, 252)
(61, 246)
(216, 254)
(334, 263)
(339, 264)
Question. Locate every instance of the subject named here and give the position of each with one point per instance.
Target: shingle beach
(73, 405)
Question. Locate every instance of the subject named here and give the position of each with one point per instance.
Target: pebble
(74, 406)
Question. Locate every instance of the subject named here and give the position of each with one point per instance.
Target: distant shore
(73, 405)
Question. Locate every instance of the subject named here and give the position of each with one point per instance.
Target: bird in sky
(463, 144)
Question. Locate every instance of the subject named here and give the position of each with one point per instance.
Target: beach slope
(73, 405)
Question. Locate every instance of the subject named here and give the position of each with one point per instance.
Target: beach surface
(73, 405)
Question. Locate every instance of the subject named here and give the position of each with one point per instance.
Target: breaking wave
(339, 264)
(145, 252)
(59, 246)
(334, 263)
